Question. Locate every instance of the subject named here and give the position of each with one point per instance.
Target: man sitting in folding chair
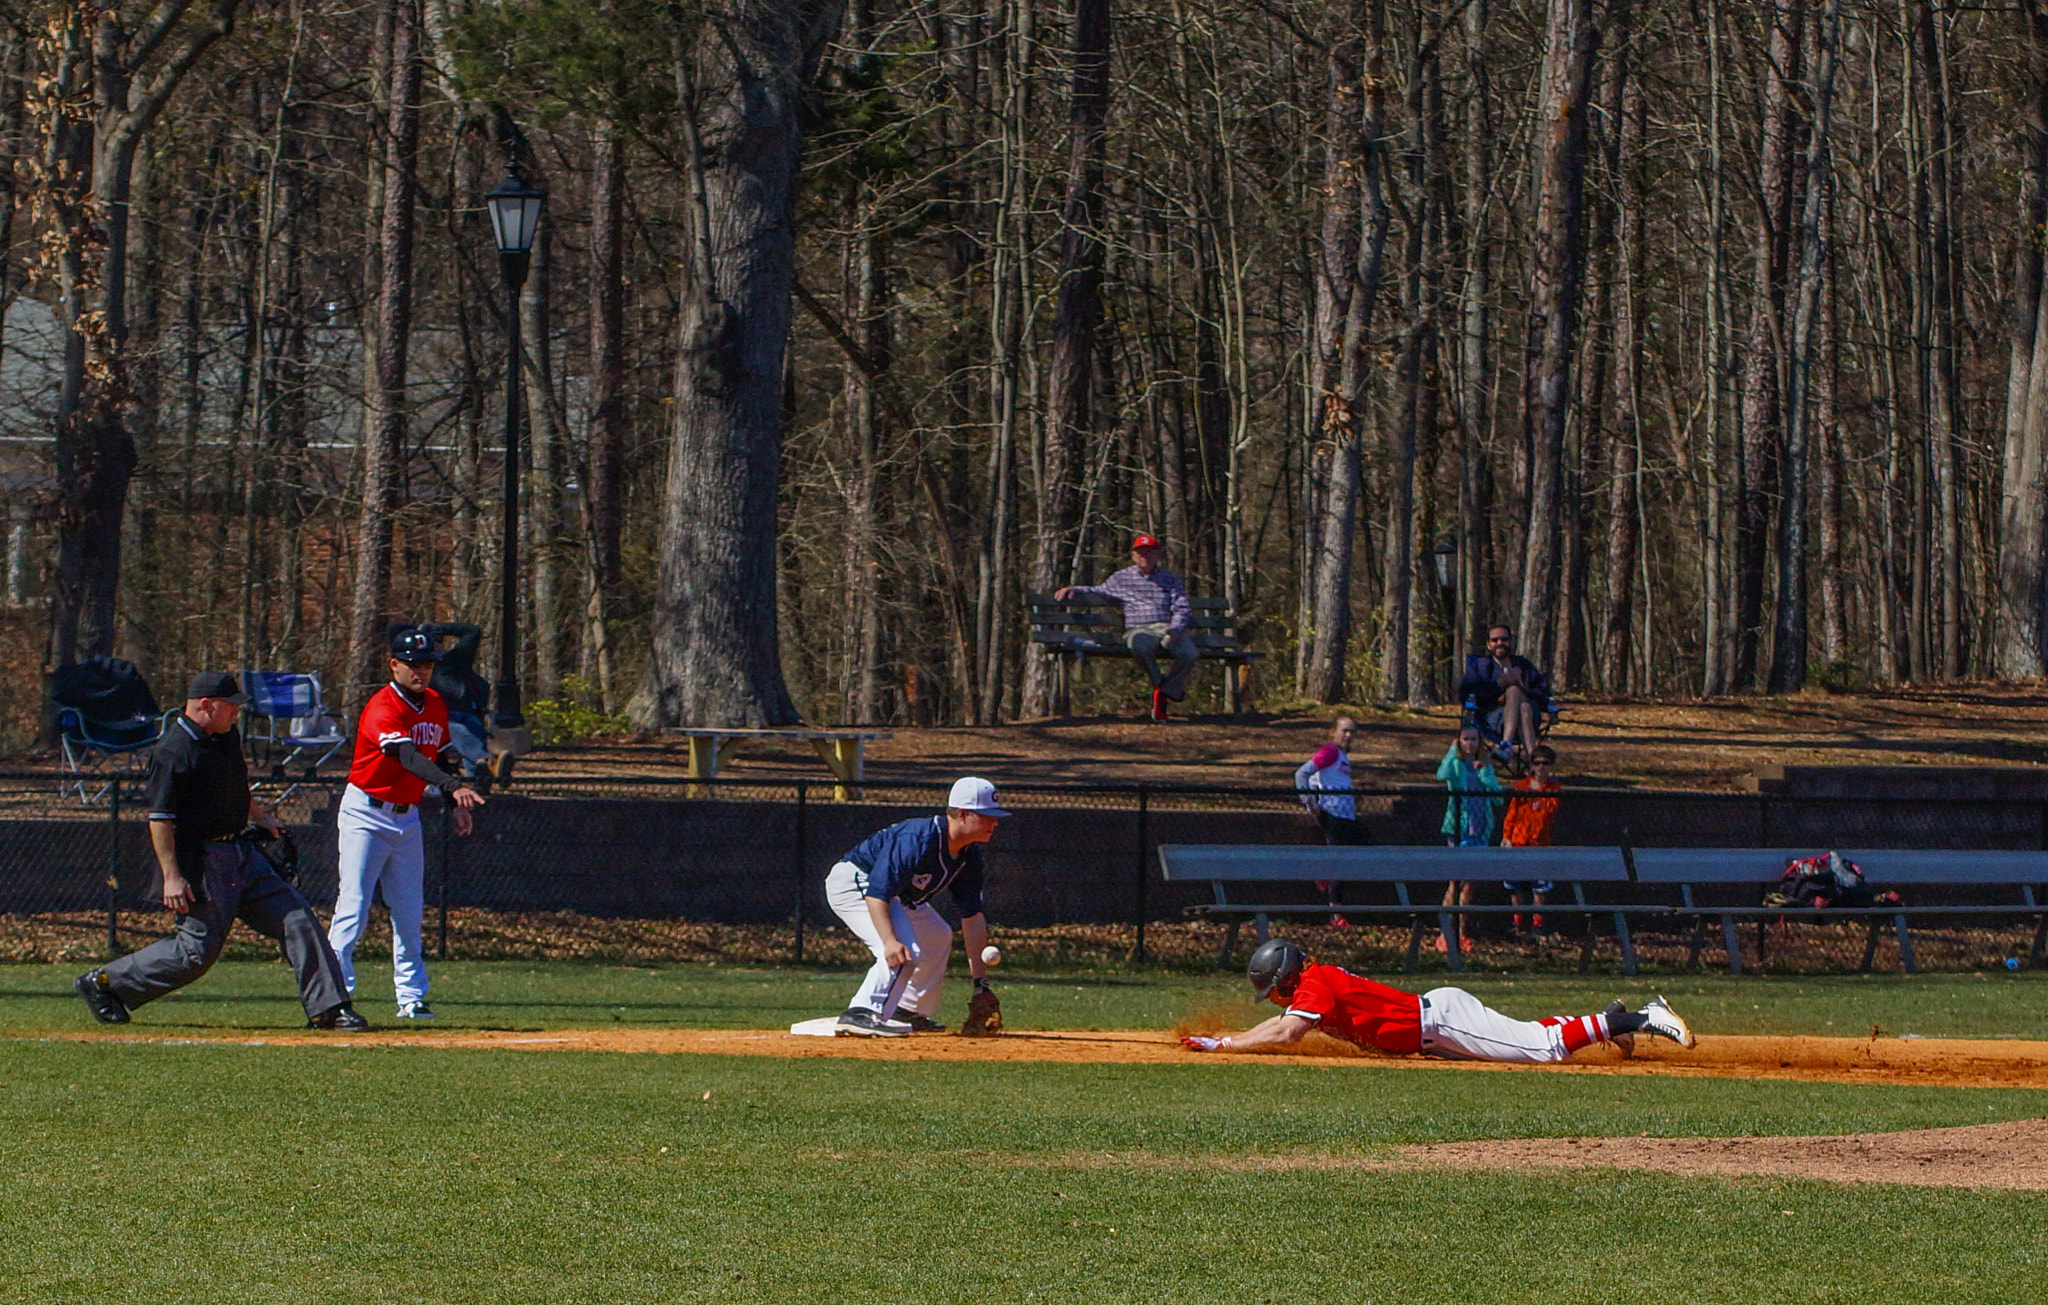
(295, 700)
(107, 721)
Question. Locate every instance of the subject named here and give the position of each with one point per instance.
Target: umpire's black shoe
(100, 999)
(342, 1019)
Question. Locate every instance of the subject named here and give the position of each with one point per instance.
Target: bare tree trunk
(1715, 669)
(1572, 38)
(605, 462)
(384, 421)
(1415, 383)
(1761, 351)
(14, 149)
(1475, 396)
(714, 655)
(1942, 412)
(1008, 328)
(1617, 656)
(2023, 508)
(1788, 655)
(860, 634)
(1069, 421)
(1350, 264)
(547, 448)
(1827, 428)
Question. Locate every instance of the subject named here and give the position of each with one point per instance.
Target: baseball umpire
(883, 889)
(1446, 1022)
(211, 875)
(402, 743)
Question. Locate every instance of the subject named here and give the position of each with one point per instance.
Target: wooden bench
(844, 752)
(1417, 876)
(1076, 629)
(1759, 869)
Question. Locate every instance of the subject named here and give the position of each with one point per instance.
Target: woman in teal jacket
(1468, 821)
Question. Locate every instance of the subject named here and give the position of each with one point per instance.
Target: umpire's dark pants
(239, 884)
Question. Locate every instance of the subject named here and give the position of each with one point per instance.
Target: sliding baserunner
(1448, 1022)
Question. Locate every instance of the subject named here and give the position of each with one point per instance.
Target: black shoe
(99, 999)
(923, 1024)
(342, 1019)
(860, 1022)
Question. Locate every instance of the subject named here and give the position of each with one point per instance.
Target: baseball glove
(984, 1013)
(285, 856)
(280, 849)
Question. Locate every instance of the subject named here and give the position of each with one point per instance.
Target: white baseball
(991, 955)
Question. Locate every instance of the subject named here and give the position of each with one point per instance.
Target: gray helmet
(1276, 964)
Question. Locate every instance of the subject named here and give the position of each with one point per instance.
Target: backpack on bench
(1827, 880)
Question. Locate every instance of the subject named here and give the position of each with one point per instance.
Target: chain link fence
(649, 869)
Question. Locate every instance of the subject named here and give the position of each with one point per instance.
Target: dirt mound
(2012, 1155)
(1932, 1062)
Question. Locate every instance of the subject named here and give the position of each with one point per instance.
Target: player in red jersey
(1447, 1022)
(402, 742)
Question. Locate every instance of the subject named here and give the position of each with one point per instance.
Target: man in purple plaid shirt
(1155, 607)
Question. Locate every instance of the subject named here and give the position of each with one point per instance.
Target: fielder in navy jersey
(883, 890)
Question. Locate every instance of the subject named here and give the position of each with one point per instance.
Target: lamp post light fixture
(515, 215)
(1445, 556)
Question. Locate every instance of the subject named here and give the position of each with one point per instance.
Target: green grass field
(147, 1171)
(543, 995)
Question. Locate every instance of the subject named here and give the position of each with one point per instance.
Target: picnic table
(844, 752)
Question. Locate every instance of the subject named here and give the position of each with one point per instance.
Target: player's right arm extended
(894, 954)
(1283, 1030)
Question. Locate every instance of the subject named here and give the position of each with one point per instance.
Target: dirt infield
(2012, 1155)
(1929, 1062)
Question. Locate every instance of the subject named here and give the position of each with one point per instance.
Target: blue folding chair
(97, 752)
(107, 721)
(289, 720)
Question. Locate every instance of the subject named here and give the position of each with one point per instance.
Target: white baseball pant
(377, 846)
(914, 988)
(1457, 1025)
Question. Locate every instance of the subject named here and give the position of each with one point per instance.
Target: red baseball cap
(1144, 541)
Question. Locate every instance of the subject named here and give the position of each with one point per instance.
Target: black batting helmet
(413, 644)
(1276, 964)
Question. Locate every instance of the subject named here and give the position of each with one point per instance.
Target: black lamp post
(515, 214)
(1445, 555)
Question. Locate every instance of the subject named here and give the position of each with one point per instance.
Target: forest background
(1695, 339)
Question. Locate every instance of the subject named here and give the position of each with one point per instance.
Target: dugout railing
(747, 850)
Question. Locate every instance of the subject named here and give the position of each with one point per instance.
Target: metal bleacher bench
(1073, 630)
(2021, 875)
(1417, 876)
(1757, 869)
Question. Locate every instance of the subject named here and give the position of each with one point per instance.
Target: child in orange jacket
(1527, 824)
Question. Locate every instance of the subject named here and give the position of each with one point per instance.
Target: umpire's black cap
(413, 644)
(216, 684)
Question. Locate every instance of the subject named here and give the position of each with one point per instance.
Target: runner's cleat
(1663, 1021)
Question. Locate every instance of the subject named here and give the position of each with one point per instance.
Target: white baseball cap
(971, 794)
